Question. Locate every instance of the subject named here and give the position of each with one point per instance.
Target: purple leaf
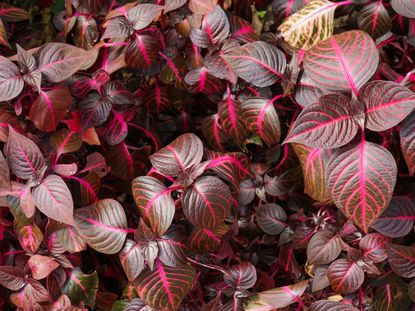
(207, 202)
(271, 218)
(232, 121)
(241, 30)
(103, 225)
(241, 276)
(373, 247)
(53, 198)
(386, 103)
(11, 81)
(258, 63)
(329, 123)
(165, 287)
(65, 141)
(12, 277)
(94, 110)
(183, 152)
(374, 19)
(143, 14)
(155, 203)
(323, 248)
(172, 250)
(202, 7)
(307, 92)
(85, 32)
(343, 62)
(217, 66)
(361, 179)
(262, 119)
(7, 119)
(116, 130)
(132, 259)
(402, 259)
(171, 5)
(9, 13)
(24, 157)
(207, 240)
(214, 29)
(320, 279)
(58, 61)
(407, 135)
(404, 7)
(345, 276)
(142, 52)
(118, 27)
(327, 305)
(398, 219)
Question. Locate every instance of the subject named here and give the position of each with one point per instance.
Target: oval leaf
(242, 276)
(12, 278)
(323, 248)
(374, 19)
(81, 287)
(132, 259)
(271, 218)
(345, 276)
(402, 259)
(11, 81)
(407, 135)
(404, 7)
(373, 247)
(327, 305)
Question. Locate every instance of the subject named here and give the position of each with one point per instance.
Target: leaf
(4, 173)
(81, 287)
(202, 7)
(217, 66)
(207, 202)
(142, 52)
(329, 123)
(324, 247)
(241, 276)
(407, 136)
(312, 24)
(85, 32)
(345, 276)
(373, 247)
(172, 247)
(361, 179)
(9, 13)
(7, 119)
(232, 122)
(327, 305)
(65, 141)
(398, 219)
(207, 240)
(12, 278)
(32, 293)
(242, 30)
(94, 110)
(307, 92)
(314, 165)
(279, 297)
(404, 7)
(49, 108)
(320, 279)
(386, 103)
(30, 236)
(374, 19)
(24, 157)
(258, 63)
(143, 14)
(401, 259)
(171, 5)
(181, 153)
(70, 239)
(116, 130)
(271, 218)
(3, 35)
(165, 287)
(118, 27)
(58, 61)
(214, 29)
(11, 81)
(262, 119)
(41, 266)
(102, 225)
(53, 198)
(155, 203)
(132, 259)
(343, 62)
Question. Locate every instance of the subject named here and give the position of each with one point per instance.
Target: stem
(214, 267)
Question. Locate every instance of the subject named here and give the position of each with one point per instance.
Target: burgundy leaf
(217, 66)
(207, 240)
(142, 52)
(11, 81)
(329, 123)
(32, 293)
(12, 277)
(49, 108)
(41, 266)
(25, 60)
(214, 29)
(404, 7)
(386, 103)
(271, 218)
(85, 32)
(207, 202)
(345, 276)
(232, 121)
(247, 190)
(157, 99)
(143, 14)
(361, 179)
(262, 119)
(307, 92)
(402, 259)
(407, 135)
(118, 27)
(53, 198)
(373, 247)
(3, 35)
(242, 276)
(258, 63)
(327, 305)
(116, 130)
(70, 239)
(58, 61)
(374, 19)
(165, 287)
(9, 13)
(343, 62)
(241, 30)
(398, 219)
(202, 7)
(81, 287)
(183, 152)
(132, 259)
(4, 173)
(320, 279)
(7, 119)
(172, 250)
(314, 164)
(155, 203)
(94, 110)
(103, 225)
(65, 141)
(24, 157)
(279, 297)
(323, 248)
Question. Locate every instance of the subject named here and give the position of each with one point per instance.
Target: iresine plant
(208, 155)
